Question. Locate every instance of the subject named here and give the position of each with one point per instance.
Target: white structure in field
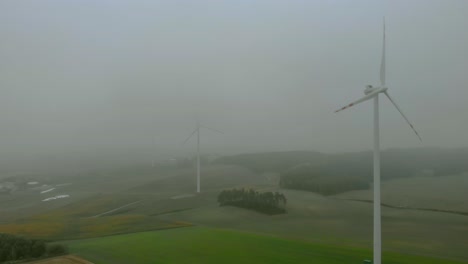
(373, 93)
(197, 130)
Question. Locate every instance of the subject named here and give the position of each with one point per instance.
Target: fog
(86, 78)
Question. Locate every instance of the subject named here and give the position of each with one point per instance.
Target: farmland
(443, 193)
(82, 220)
(208, 245)
(213, 132)
(68, 259)
(103, 206)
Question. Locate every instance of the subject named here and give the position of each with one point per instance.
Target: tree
(56, 249)
(38, 248)
(266, 202)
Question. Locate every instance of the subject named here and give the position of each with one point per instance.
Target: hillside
(272, 161)
(446, 193)
(143, 199)
(336, 173)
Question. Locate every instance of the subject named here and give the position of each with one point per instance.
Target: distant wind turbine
(197, 130)
(373, 92)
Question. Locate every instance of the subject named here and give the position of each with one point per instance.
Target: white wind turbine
(373, 92)
(197, 130)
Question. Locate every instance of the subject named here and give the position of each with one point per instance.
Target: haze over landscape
(97, 98)
(106, 76)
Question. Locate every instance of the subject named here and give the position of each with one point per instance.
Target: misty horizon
(131, 78)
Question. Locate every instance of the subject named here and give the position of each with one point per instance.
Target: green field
(328, 226)
(209, 245)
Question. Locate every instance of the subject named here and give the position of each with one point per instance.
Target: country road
(68, 259)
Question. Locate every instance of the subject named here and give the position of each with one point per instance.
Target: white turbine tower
(197, 130)
(373, 92)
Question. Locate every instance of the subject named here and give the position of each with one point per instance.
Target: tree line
(336, 173)
(264, 202)
(326, 180)
(20, 248)
(323, 184)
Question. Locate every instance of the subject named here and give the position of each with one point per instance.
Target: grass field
(160, 201)
(443, 193)
(78, 220)
(319, 219)
(209, 245)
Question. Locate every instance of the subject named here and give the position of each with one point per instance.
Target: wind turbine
(373, 92)
(197, 130)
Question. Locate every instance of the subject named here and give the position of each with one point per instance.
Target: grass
(311, 217)
(209, 245)
(443, 193)
(75, 221)
(74, 228)
(319, 219)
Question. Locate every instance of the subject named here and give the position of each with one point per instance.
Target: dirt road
(68, 259)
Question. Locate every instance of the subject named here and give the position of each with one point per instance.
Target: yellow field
(77, 221)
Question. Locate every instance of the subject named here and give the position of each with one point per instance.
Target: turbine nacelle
(370, 92)
(371, 89)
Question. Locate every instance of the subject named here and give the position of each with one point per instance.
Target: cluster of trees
(17, 248)
(325, 180)
(354, 171)
(264, 202)
(330, 174)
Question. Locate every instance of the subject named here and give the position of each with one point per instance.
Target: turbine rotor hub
(369, 89)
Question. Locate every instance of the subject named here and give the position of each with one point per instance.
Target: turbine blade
(212, 129)
(382, 64)
(399, 110)
(196, 129)
(365, 98)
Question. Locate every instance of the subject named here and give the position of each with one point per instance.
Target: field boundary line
(407, 207)
(116, 209)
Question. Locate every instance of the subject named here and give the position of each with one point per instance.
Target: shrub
(56, 250)
(266, 202)
(17, 247)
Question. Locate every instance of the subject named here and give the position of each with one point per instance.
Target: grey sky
(84, 76)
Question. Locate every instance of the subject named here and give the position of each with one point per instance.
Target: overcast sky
(84, 76)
